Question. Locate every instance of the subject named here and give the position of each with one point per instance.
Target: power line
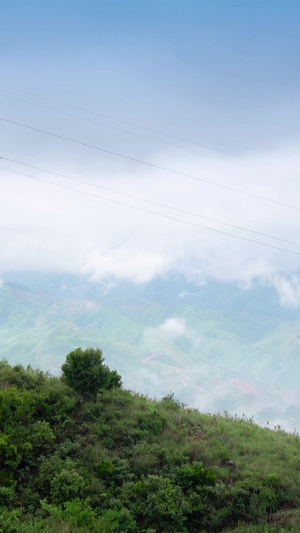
(224, 152)
(149, 164)
(98, 123)
(149, 201)
(153, 212)
(122, 121)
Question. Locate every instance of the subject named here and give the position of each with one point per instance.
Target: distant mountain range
(216, 346)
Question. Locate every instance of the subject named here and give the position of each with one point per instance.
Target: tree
(85, 372)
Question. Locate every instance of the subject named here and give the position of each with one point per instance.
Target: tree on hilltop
(86, 373)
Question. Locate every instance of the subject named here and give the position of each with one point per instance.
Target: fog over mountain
(216, 346)
(50, 228)
(150, 158)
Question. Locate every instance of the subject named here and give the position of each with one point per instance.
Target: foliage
(85, 372)
(80, 455)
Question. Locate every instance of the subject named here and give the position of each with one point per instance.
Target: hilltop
(77, 459)
(217, 346)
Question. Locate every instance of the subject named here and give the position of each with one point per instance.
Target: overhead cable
(181, 139)
(149, 201)
(136, 134)
(152, 212)
(148, 163)
(243, 159)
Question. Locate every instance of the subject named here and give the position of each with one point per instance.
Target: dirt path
(185, 377)
(149, 361)
(152, 357)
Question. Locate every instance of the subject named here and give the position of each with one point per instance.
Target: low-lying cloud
(175, 327)
(50, 228)
(160, 338)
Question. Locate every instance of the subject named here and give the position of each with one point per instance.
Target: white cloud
(288, 289)
(161, 337)
(1, 283)
(122, 263)
(50, 228)
(175, 327)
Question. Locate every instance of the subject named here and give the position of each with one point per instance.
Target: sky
(204, 94)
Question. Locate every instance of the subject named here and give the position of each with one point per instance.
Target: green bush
(108, 460)
(67, 485)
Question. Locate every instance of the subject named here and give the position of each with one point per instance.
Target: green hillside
(218, 347)
(114, 461)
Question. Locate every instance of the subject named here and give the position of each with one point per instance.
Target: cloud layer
(107, 235)
(116, 79)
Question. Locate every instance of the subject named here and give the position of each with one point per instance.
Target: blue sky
(222, 73)
(221, 61)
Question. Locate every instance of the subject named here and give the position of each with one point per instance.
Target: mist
(106, 235)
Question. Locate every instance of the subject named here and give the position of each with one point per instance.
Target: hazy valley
(216, 346)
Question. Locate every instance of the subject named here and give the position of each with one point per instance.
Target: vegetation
(79, 454)
(85, 372)
(240, 345)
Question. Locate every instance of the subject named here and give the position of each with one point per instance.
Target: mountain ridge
(209, 336)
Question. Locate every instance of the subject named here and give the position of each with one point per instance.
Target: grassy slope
(140, 441)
